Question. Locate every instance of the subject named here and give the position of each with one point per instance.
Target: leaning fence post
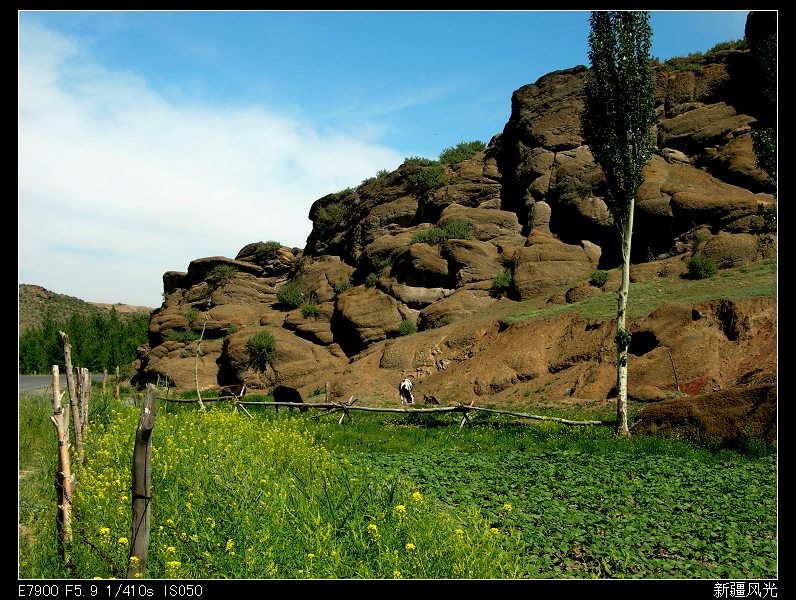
(63, 476)
(70, 382)
(142, 479)
(85, 395)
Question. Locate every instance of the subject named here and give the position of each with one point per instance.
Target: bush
(501, 283)
(261, 348)
(266, 250)
(180, 335)
(460, 152)
(341, 286)
(734, 45)
(433, 236)
(419, 160)
(406, 327)
(427, 179)
(310, 311)
(598, 278)
(220, 275)
(701, 266)
(332, 214)
(458, 229)
(371, 280)
(191, 313)
(290, 295)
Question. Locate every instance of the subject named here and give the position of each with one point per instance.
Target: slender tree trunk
(142, 482)
(196, 365)
(622, 338)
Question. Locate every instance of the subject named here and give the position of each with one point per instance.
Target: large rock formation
(426, 245)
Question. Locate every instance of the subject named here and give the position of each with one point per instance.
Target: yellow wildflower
(507, 507)
(123, 541)
(400, 509)
(417, 497)
(495, 530)
(372, 528)
(410, 546)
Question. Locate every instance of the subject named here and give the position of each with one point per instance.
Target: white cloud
(118, 185)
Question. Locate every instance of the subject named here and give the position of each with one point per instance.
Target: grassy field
(299, 496)
(757, 279)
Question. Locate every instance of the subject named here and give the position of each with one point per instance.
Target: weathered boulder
(422, 265)
(471, 261)
(458, 305)
(275, 261)
(728, 417)
(363, 316)
(546, 264)
(317, 276)
(295, 361)
(487, 224)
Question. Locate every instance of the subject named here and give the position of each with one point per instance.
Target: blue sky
(149, 139)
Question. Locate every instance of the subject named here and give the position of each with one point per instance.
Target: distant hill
(35, 301)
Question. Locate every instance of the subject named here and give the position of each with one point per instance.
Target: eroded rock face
(534, 202)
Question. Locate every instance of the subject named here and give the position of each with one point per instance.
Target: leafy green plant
(501, 283)
(310, 311)
(332, 214)
(426, 179)
(220, 275)
(260, 347)
(191, 313)
(701, 266)
(290, 295)
(419, 160)
(768, 217)
(232, 329)
(458, 229)
(406, 327)
(730, 45)
(371, 280)
(462, 151)
(266, 250)
(341, 286)
(180, 335)
(598, 278)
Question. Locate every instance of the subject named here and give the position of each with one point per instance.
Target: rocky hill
(447, 251)
(35, 301)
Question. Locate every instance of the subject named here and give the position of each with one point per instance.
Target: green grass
(757, 279)
(401, 496)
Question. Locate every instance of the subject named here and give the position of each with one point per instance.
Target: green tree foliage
(761, 36)
(99, 341)
(618, 116)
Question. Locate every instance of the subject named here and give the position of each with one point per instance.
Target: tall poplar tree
(618, 124)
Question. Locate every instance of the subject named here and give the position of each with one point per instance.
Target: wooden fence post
(73, 401)
(85, 396)
(63, 476)
(104, 379)
(142, 480)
